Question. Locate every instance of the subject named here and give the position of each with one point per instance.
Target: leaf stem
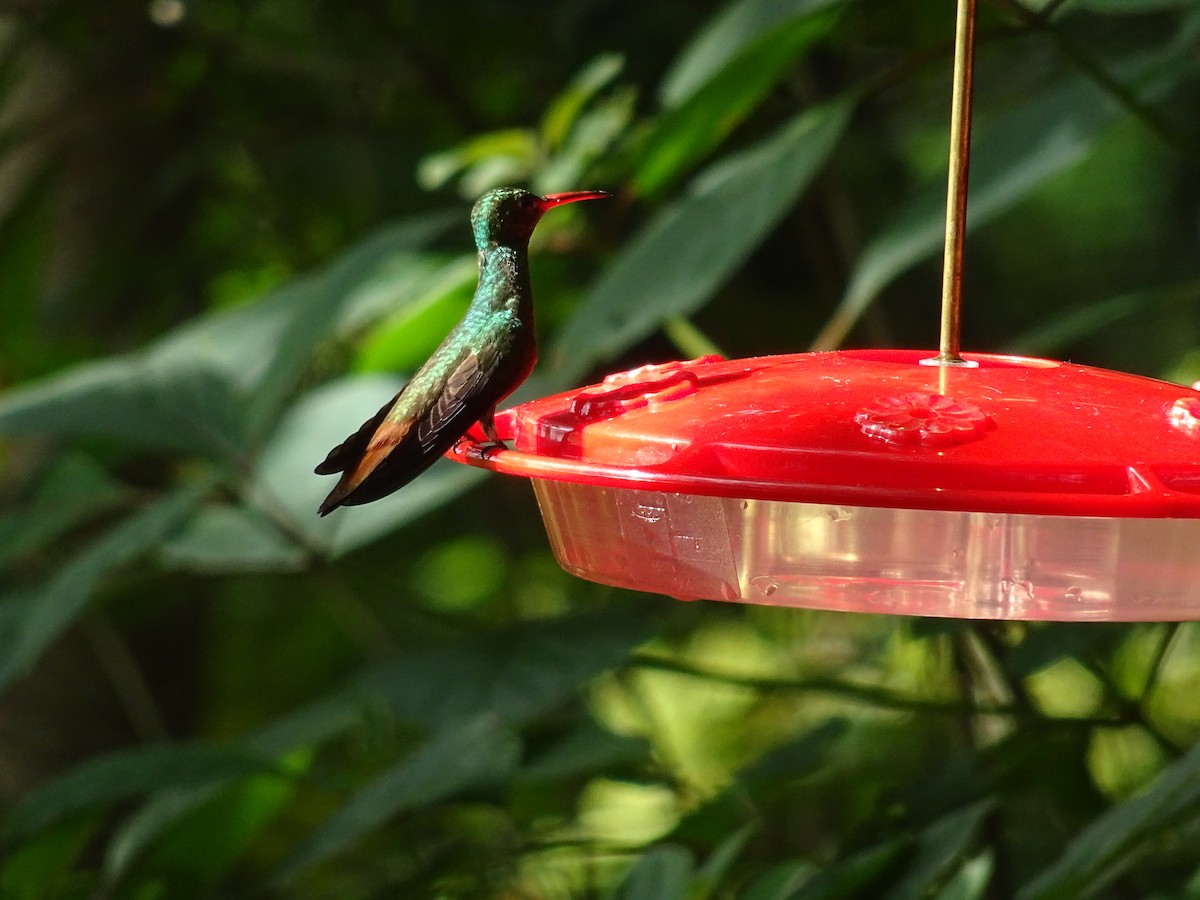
(1093, 69)
(867, 694)
(126, 677)
(688, 339)
(1166, 643)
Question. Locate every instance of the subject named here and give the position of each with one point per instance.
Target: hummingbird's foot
(486, 450)
(488, 423)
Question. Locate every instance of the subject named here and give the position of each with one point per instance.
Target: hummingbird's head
(508, 215)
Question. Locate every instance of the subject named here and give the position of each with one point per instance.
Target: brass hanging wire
(956, 188)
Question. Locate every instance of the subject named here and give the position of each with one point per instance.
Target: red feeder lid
(872, 428)
(1005, 488)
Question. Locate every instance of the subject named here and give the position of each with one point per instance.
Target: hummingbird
(483, 360)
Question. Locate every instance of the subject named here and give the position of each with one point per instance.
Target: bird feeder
(892, 481)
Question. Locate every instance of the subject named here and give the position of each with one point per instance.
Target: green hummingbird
(483, 360)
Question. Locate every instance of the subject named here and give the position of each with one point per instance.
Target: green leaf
(1072, 325)
(516, 672)
(940, 849)
(797, 757)
(206, 843)
(589, 142)
(30, 622)
(1113, 842)
(463, 757)
(850, 877)
(661, 873)
(586, 750)
(74, 491)
(483, 162)
(283, 484)
(1010, 160)
(674, 264)
(687, 133)
(214, 385)
(223, 539)
(564, 110)
(41, 867)
(128, 773)
(1046, 643)
(727, 35)
(154, 399)
(1126, 7)
(781, 881)
(972, 880)
(719, 862)
(403, 340)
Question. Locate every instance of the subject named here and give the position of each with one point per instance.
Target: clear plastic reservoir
(917, 562)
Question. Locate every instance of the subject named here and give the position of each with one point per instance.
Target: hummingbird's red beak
(552, 200)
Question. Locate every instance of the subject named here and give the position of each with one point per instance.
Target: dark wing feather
(347, 454)
(461, 385)
(382, 456)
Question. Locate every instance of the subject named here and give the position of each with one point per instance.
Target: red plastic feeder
(1011, 488)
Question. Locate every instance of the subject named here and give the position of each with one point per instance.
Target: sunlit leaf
(41, 867)
(564, 110)
(208, 842)
(661, 873)
(729, 33)
(687, 251)
(1047, 642)
(481, 160)
(403, 340)
(469, 756)
(1114, 841)
(29, 623)
(594, 135)
(971, 882)
(686, 133)
(128, 773)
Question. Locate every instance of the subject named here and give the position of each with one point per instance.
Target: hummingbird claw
(486, 450)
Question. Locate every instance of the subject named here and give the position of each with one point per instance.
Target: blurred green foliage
(228, 230)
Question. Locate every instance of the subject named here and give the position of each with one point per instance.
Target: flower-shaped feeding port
(931, 420)
(639, 387)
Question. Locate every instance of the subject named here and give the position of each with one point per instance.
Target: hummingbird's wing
(345, 454)
(411, 431)
(459, 387)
